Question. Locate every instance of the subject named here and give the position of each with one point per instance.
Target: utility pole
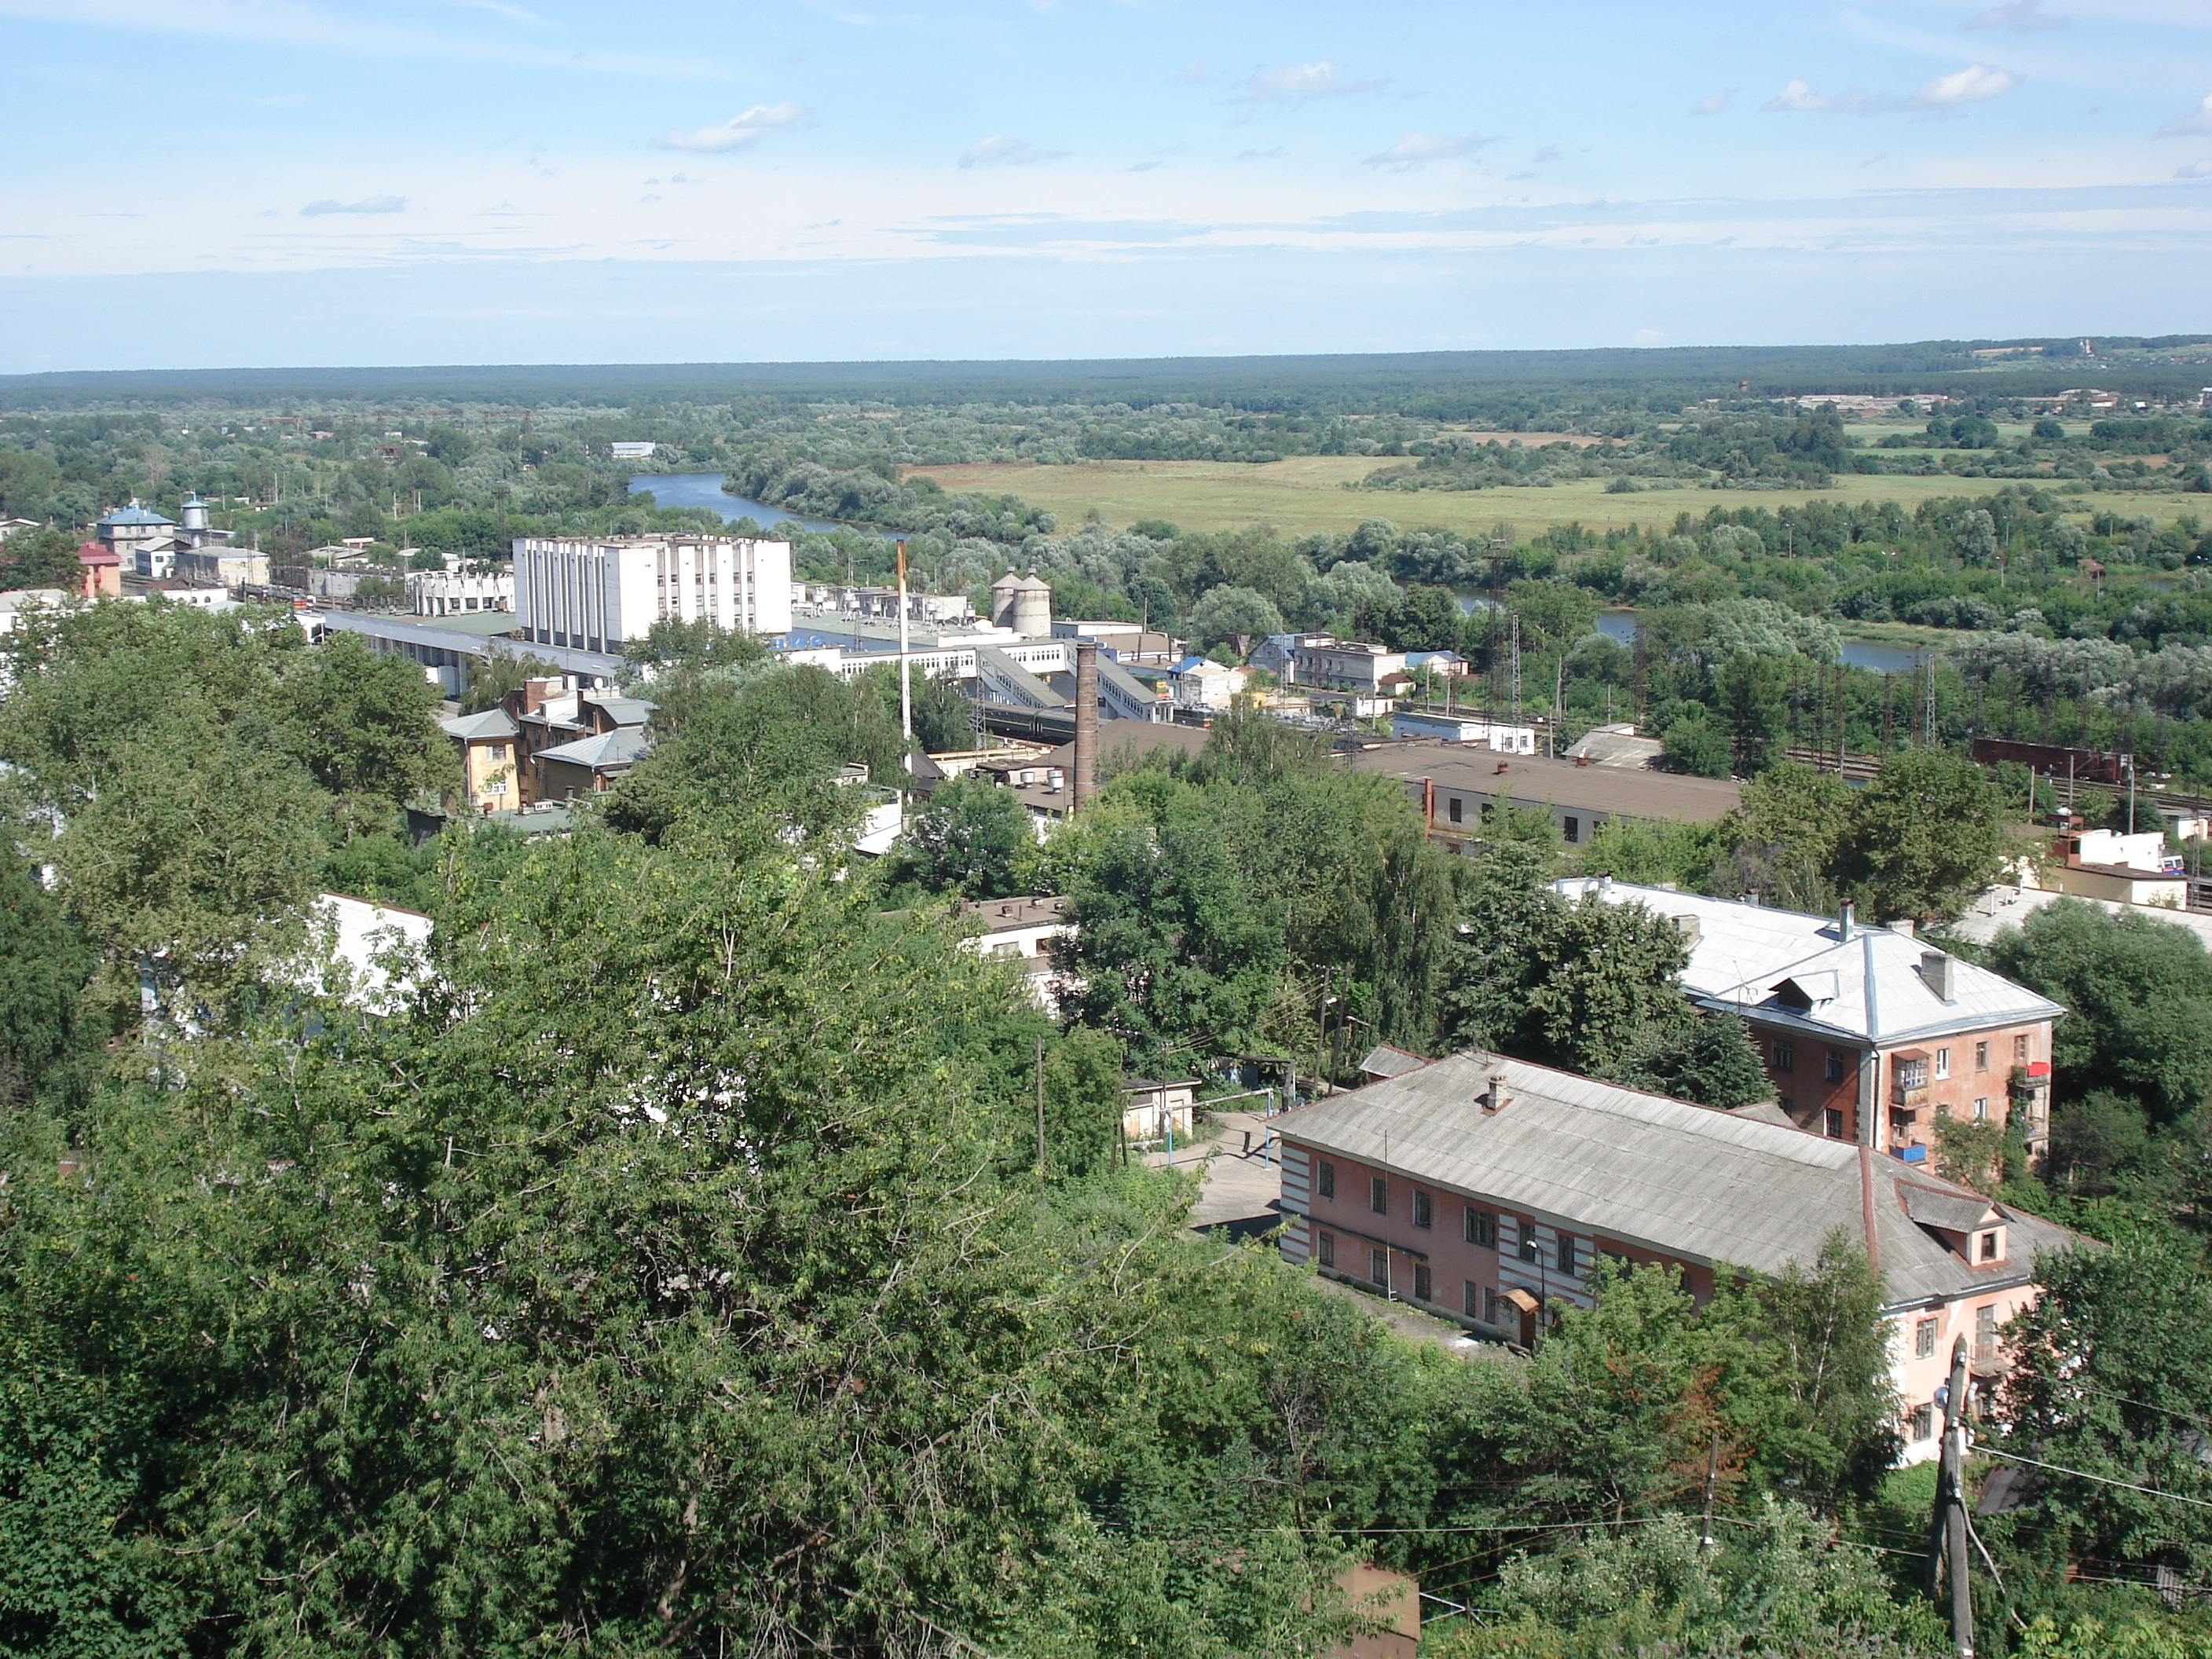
(1320, 1034)
(1712, 1472)
(1947, 1531)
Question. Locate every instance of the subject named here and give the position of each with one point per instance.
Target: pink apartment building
(1488, 1190)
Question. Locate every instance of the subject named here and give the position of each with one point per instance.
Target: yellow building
(490, 767)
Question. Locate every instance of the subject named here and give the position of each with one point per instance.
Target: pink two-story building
(1489, 1191)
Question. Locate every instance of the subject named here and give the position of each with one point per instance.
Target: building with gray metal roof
(1492, 1191)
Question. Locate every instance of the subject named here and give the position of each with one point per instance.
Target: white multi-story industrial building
(589, 593)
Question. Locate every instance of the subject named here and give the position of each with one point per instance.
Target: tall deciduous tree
(1925, 838)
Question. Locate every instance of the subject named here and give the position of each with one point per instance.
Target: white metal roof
(1868, 988)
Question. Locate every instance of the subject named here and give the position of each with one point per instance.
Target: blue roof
(135, 513)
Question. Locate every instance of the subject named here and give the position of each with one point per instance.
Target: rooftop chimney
(1692, 929)
(1936, 970)
(1844, 922)
(1495, 1100)
(1086, 723)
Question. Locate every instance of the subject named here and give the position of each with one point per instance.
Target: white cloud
(1418, 149)
(2194, 170)
(1713, 103)
(367, 205)
(740, 131)
(2196, 123)
(999, 150)
(2021, 16)
(1297, 82)
(1975, 84)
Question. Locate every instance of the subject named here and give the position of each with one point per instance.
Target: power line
(2102, 1480)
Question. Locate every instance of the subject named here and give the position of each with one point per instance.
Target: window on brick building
(1942, 1062)
(1835, 1124)
(1325, 1179)
(1573, 829)
(1923, 1340)
(1835, 1067)
(1480, 1227)
(1421, 1211)
(1566, 1258)
(2019, 1049)
(1921, 1423)
(1981, 1056)
(1452, 808)
(1985, 1333)
(1327, 1250)
(1786, 1056)
(1471, 1301)
(1424, 1290)
(1527, 1240)
(1378, 1195)
(1982, 1109)
(1378, 1267)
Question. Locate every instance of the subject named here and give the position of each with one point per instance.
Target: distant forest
(1433, 385)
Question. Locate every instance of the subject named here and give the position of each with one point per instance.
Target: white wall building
(451, 592)
(591, 594)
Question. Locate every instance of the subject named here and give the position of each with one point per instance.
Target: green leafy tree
(1707, 1058)
(1925, 838)
(44, 965)
(971, 838)
(191, 872)
(40, 558)
(2111, 1370)
(1553, 614)
(1238, 614)
(1613, 972)
(1696, 743)
(763, 745)
(492, 680)
(365, 727)
(1750, 694)
(2138, 996)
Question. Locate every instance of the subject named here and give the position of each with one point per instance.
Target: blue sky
(195, 183)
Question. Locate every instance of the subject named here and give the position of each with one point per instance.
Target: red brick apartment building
(1488, 1191)
(1867, 1033)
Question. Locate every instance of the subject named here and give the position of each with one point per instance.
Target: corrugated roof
(1682, 1180)
(1869, 986)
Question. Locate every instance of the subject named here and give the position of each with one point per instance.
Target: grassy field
(1306, 492)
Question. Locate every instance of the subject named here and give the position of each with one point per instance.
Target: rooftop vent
(1495, 1100)
(1692, 929)
(1844, 922)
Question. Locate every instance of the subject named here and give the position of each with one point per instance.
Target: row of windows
(1782, 1054)
(1477, 1226)
(1570, 826)
(1985, 1323)
(1481, 1301)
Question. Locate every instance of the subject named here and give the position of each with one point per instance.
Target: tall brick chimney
(1086, 723)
